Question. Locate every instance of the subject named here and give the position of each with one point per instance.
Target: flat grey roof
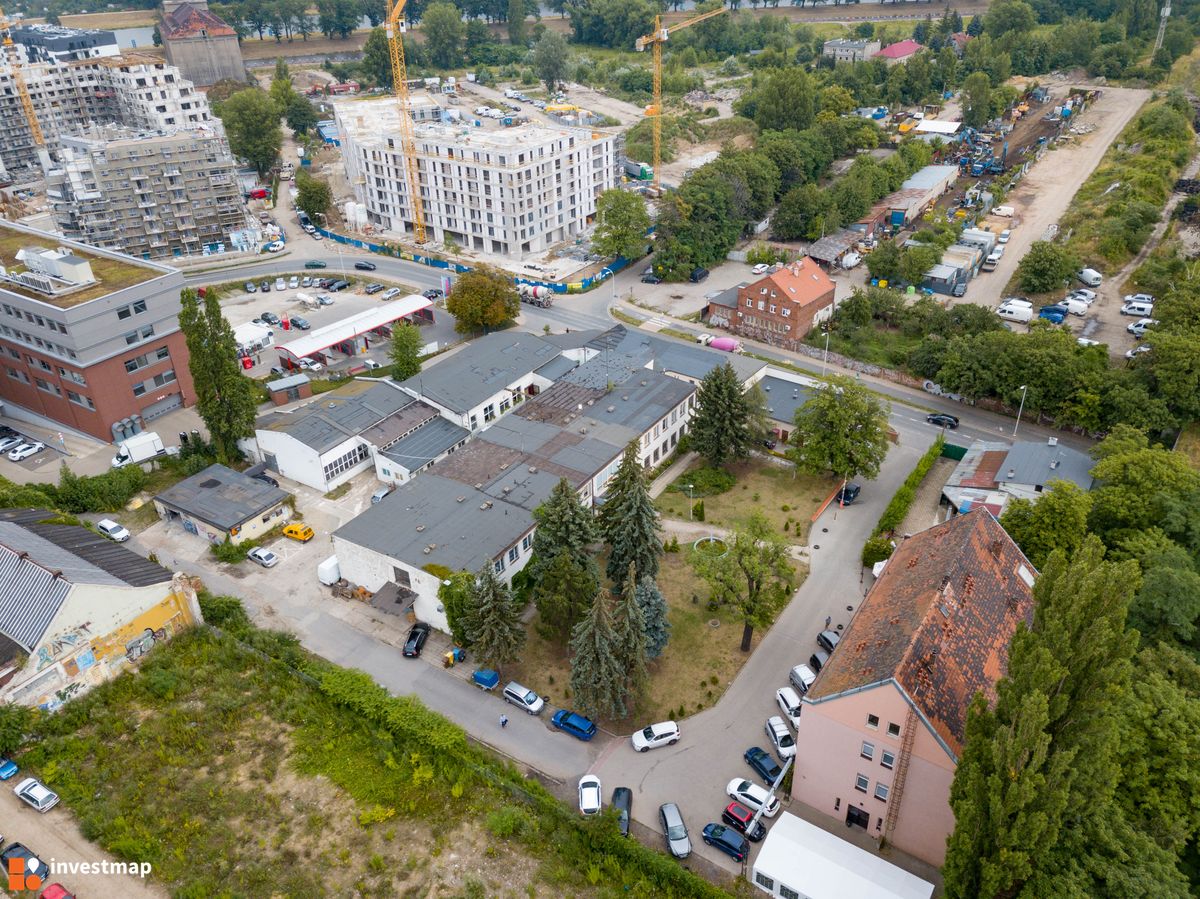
(1041, 463)
(334, 417)
(222, 497)
(285, 383)
(426, 443)
(784, 398)
(556, 368)
(464, 380)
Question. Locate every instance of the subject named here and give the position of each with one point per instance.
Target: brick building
(204, 48)
(89, 337)
(784, 305)
(888, 712)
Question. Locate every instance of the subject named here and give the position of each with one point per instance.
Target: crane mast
(408, 143)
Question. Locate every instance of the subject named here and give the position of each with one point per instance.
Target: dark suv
(416, 639)
(848, 494)
(739, 817)
(698, 275)
(365, 266)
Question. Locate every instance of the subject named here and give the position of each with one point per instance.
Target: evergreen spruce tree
(654, 617)
(597, 678)
(561, 595)
(628, 521)
(564, 524)
(720, 431)
(494, 623)
(629, 629)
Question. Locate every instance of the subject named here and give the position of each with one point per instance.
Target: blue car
(1054, 314)
(727, 840)
(763, 763)
(7, 769)
(573, 724)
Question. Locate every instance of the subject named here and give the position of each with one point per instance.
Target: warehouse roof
(353, 326)
(937, 126)
(1037, 464)
(931, 176)
(349, 411)
(784, 397)
(222, 497)
(426, 443)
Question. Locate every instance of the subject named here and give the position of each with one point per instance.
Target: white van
(1022, 314)
(1141, 310)
(1090, 277)
(1004, 212)
(1075, 307)
(802, 677)
(850, 260)
(993, 259)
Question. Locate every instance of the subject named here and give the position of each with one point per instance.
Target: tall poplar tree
(629, 522)
(494, 622)
(597, 678)
(654, 617)
(225, 398)
(721, 429)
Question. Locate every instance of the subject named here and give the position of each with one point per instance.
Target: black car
(300, 322)
(651, 279)
(416, 639)
(848, 494)
(622, 801)
(942, 420)
(739, 817)
(763, 763)
(698, 274)
(339, 285)
(270, 318)
(265, 287)
(828, 640)
(33, 864)
(433, 294)
(818, 660)
(365, 266)
(727, 840)
(314, 263)
(374, 288)
(324, 283)
(6, 431)
(959, 290)
(266, 479)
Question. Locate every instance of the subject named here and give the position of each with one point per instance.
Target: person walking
(828, 620)
(503, 721)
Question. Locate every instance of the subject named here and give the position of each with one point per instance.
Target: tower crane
(656, 40)
(10, 54)
(408, 143)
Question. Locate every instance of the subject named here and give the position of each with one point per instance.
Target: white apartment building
(139, 92)
(509, 191)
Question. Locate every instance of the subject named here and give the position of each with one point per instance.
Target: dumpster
(486, 678)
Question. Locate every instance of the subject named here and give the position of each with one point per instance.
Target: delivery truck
(139, 448)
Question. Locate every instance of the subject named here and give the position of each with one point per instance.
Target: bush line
(899, 505)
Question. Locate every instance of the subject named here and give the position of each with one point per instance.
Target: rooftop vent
(1012, 473)
(583, 430)
(533, 469)
(459, 499)
(625, 398)
(478, 486)
(484, 506)
(1054, 463)
(644, 383)
(1053, 441)
(591, 402)
(420, 528)
(506, 490)
(767, 388)
(210, 483)
(504, 467)
(612, 408)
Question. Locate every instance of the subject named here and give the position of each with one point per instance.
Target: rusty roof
(190, 21)
(938, 622)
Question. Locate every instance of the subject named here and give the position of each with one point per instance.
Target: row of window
(765, 307)
(768, 883)
(137, 336)
(887, 757)
(862, 783)
(133, 309)
(343, 463)
(35, 319)
(893, 729)
(75, 376)
(46, 345)
(513, 554)
(146, 359)
(159, 380)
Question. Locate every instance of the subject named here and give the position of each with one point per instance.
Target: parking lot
(34, 453)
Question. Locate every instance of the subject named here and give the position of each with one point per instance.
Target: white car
(310, 364)
(789, 703)
(1139, 298)
(589, 795)
(760, 269)
(1004, 236)
(33, 792)
(294, 282)
(1138, 328)
(263, 557)
(25, 450)
(665, 733)
(390, 292)
(280, 284)
(1082, 293)
(324, 299)
(752, 796)
(1137, 351)
(780, 737)
(1083, 341)
(112, 530)
(274, 246)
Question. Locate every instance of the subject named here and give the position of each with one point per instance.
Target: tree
(406, 351)
(597, 678)
(883, 262)
(1167, 606)
(754, 575)
(442, 25)
(551, 59)
(720, 428)
(1173, 367)
(312, 195)
(842, 429)
(784, 100)
(376, 58)
(494, 623)
(301, 115)
(561, 592)
(1046, 267)
(482, 298)
(1058, 520)
(516, 22)
(806, 211)
(1009, 15)
(977, 99)
(654, 617)
(916, 261)
(282, 91)
(629, 635)
(621, 224)
(564, 525)
(15, 722)
(251, 122)
(629, 522)
(455, 594)
(226, 400)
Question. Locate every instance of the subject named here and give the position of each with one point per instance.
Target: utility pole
(1162, 25)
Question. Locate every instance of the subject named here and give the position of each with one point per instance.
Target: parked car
(739, 817)
(763, 764)
(523, 697)
(665, 733)
(828, 640)
(753, 797)
(6, 431)
(265, 287)
(299, 321)
(56, 891)
(432, 294)
(417, 635)
(574, 724)
(1082, 293)
(9, 443)
(727, 840)
(274, 246)
(802, 678)
(263, 557)
(365, 266)
(280, 284)
(324, 299)
(698, 274)
(7, 769)
(942, 420)
(339, 285)
(1139, 298)
(270, 318)
(1137, 351)
(34, 793)
(33, 864)
(780, 737)
(1138, 328)
(1052, 315)
(294, 282)
(25, 450)
(651, 279)
(298, 531)
(760, 269)
(373, 288)
(674, 830)
(112, 530)
(306, 281)
(788, 701)
(818, 660)
(250, 287)
(622, 801)
(1004, 236)
(311, 364)
(314, 263)
(390, 292)
(590, 801)
(848, 494)
(265, 478)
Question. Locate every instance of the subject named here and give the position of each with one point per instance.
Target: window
(787, 311)
(78, 400)
(139, 307)
(489, 412)
(873, 721)
(513, 554)
(861, 782)
(124, 312)
(749, 303)
(499, 566)
(346, 461)
(888, 759)
(788, 892)
(527, 542)
(867, 751)
(881, 792)
(139, 389)
(893, 730)
(771, 308)
(764, 881)
(131, 338)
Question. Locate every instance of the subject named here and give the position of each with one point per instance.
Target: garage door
(174, 401)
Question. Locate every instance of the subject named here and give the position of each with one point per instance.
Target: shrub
(106, 492)
(698, 511)
(229, 551)
(898, 507)
(875, 550)
(705, 482)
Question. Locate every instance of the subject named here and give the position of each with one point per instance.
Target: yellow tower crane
(10, 54)
(408, 143)
(656, 40)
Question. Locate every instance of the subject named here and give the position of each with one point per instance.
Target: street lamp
(1021, 409)
(825, 358)
(341, 261)
(689, 489)
(613, 277)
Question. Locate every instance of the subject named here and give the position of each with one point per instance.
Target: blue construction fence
(582, 286)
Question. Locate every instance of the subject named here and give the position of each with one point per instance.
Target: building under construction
(140, 92)
(147, 194)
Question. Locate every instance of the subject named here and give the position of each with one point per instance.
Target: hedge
(901, 501)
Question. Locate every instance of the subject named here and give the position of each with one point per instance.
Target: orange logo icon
(18, 879)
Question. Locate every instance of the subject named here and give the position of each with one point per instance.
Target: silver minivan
(378, 495)
(523, 697)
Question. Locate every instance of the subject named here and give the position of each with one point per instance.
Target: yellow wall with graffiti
(84, 646)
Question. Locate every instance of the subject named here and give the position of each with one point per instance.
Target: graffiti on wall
(64, 644)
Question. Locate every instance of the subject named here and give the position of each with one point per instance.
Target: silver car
(675, 830)
(33, 792)
(263, 557)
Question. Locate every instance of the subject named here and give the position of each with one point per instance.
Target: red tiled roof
(938, 622)
(900, 50)
(802, 281)
(189, 21)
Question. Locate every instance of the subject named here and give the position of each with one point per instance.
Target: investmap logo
(20, 877)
